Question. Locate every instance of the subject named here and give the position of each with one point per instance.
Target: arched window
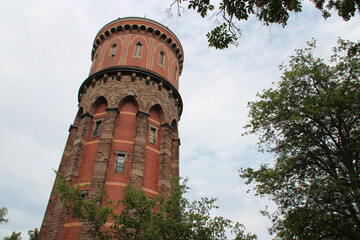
(161, 58)
(113, 50)
(94, 61)
(175, 76)
(138, 49)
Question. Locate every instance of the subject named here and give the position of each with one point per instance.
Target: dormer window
(113, 50)
(161, 58)
(138, 49)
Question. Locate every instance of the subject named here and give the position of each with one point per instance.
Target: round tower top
(165, 49)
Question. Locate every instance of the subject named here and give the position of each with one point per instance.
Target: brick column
(70, 171)
(104, 151)
(138, 156)
(165, 159)
(175, 157)
(102, 159)
(55, 198)
(72, 168)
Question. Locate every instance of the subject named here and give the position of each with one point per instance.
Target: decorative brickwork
(128, 105)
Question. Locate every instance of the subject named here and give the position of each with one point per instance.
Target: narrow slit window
(120, 162)
(176, 73)
(152, 135)
(97, 128)
(113, 50)
(161, 58)
(138, 50)
(94, 61)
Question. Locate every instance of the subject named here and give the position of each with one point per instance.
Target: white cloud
(45, 56)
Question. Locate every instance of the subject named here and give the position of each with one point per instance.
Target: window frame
(113, 50)
(84, 194)
(153, 142)
(97, 122)
(162, 59)
(176, 77)
(125, 155)
(138, 50)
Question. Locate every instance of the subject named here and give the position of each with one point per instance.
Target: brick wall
(130, 95)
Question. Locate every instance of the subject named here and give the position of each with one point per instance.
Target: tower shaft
(125, 131)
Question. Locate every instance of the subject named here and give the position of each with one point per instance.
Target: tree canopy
(3, 212)
(172, 217)
(14, 236)
(33, 234)
(232, 12)
(311, 123)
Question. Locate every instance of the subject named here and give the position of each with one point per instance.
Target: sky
(45, 57)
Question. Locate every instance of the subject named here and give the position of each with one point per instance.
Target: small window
(97, 128)
(120, 162)
(161, 58)
(175, 78)
(113, 50)
(94, 61)
(84, 194)
(138, 50)
(152, 135)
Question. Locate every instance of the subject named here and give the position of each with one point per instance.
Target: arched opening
(138, 49)
(113, 50)
(161, 58)
(175, 129)
(121, 154)
(99, 105)
(90, 149)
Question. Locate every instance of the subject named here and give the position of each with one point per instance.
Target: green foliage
(14, 236)
(33, 234)
(220, 38)
(201, 6)
(3, 212)
(143, 218)
(311, 122)
(95, 211)
(268, 12)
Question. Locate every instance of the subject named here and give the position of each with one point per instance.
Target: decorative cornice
(113, 109)
(177, 140)
(87, 114)
(72, 127)
(142, 113)
(167, 125)
(135, 73)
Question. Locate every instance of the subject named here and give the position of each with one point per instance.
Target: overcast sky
(45, 57)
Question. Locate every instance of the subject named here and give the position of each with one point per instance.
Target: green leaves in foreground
(172, 217)
(311, 122)
(230, 13)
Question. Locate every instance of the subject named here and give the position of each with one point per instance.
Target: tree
(33, 234)
(3, 212)
(273, 11)
(14, 236)
(311, 123)
(172, 217)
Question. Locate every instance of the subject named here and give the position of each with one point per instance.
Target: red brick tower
(125, 130)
